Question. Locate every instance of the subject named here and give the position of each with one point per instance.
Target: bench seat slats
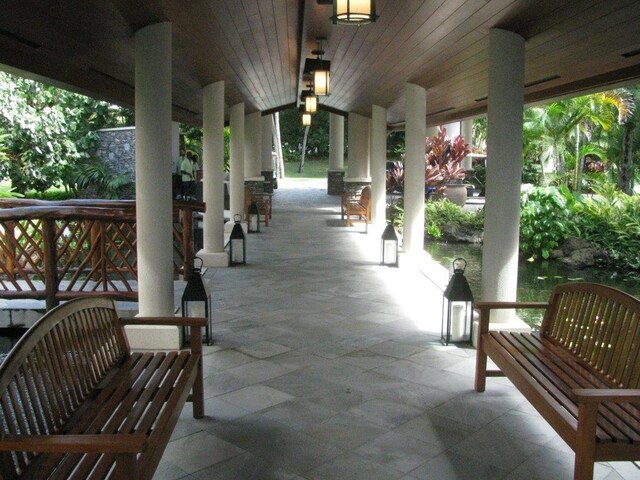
(72, 374)
(581, 371)
(545, 363)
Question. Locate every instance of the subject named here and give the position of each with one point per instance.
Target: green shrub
(51, 195)
(441, 212)
(611, 219)
(545, 220)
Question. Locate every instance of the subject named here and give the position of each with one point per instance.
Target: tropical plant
(443, 160)
(440, 212)
(98, 175)
(545, 220)
(395, 177)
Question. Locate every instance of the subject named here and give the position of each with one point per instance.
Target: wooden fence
(56, 251)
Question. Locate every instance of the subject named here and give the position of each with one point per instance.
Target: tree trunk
(625, 170)
(277, 140)
(304, 149)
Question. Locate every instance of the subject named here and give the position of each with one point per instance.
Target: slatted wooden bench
(358, 206)
(581, 371)
(76, 403)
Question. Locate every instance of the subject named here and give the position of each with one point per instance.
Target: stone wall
(118, 150)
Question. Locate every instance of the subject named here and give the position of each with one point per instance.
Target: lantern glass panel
(356, 12)
(237, 250)
(306, 119)
(390, 252)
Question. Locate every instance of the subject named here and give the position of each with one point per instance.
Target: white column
(236, 152)
(504, 147)
(336, 142)
(358, 152)
(213, 254)
(378, 166)
(267, 142)
(415, 133)
(175, 146)
(466, 130)
(252, 145)
(154, 217)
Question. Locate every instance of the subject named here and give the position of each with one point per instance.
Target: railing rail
(56, 251)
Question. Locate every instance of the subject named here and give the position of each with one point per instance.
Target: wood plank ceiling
(258, 48)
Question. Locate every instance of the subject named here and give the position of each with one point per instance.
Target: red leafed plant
(443, 158)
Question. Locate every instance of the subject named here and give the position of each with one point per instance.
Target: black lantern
(354, 12)
(457, 307)
(237, 243)
(253, 225)
(389, 247)
(197, 292)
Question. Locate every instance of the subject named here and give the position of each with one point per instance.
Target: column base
(153, 337)
(214, 259)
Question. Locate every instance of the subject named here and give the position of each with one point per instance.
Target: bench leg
(585, 442)
(481, 356)
(197, 397)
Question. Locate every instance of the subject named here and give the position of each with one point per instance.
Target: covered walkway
(328, 366)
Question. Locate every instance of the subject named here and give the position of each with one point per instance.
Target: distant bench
(581, 371)
(76, 403)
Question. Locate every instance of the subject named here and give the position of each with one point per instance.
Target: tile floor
(327, 366)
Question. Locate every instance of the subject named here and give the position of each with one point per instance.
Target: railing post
(50, 267)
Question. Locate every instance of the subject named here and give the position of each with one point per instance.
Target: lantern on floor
(237, 243)
(389, 247)
(253, 225)
(457, 306)
(197, 294)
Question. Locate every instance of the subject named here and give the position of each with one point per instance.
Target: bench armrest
(485, 308)
(167, 321)
(604, 395)
(117, 443)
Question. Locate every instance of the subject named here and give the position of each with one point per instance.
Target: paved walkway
(328, 366)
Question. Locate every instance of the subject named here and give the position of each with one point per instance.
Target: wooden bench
(357, 205)
(581, 371)
(75, 403)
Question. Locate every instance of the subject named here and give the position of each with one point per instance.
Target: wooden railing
(55, 251)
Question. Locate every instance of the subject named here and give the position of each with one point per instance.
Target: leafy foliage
(545, 220)
(443, 159)
(48, 130)
(441, 212)
(99, 175)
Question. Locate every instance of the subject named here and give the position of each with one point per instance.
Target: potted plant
(444, 173)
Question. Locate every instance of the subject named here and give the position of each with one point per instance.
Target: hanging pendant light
(310, 103)
(354, 12)
(306, 119)
(321, 73)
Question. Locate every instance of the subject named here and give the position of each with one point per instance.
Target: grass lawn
(315, 168)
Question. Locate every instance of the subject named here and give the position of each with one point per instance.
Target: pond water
(535, 279)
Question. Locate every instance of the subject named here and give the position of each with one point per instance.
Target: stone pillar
(236, 152)
(358, 152)
(504, 168)
(378, 167)
(153, 183)
(213, 253)
(335, 174)
(415, 133)
(466, 130)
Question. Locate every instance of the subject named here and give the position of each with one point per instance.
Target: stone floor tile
(346, 430)
(199, 451)
(245, 467)
(352, 467)
(264, 349)
(449, 466)
(255, 397)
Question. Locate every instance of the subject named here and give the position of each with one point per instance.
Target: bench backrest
(54, 367)
(601, 326)
(365, 195)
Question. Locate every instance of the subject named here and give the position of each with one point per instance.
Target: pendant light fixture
(321, 73)
(306, 119)
(354, 12)
(311, 103)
